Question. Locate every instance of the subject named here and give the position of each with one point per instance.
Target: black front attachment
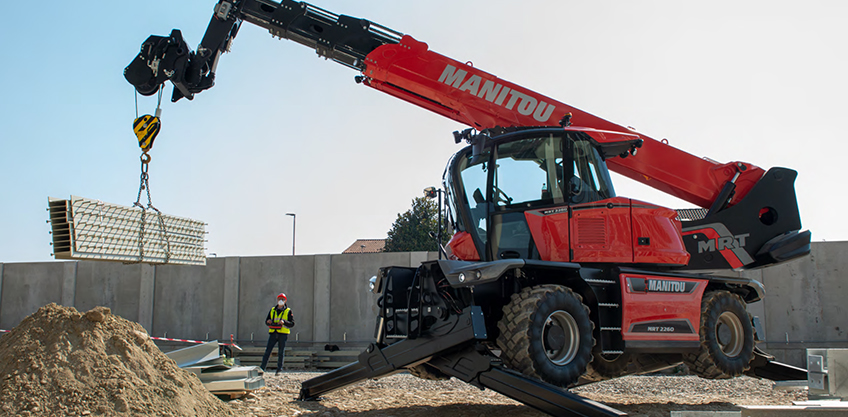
(760, 230)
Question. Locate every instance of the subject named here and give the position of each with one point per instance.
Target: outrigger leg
(457, 354)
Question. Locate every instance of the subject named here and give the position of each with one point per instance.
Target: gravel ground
(403, 395)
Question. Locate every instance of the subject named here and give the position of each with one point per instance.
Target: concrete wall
(805, 303)
(28, 286)
(328, 294)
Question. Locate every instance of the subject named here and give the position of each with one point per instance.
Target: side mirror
(478, 144)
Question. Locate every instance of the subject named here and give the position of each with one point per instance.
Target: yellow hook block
(146, 128)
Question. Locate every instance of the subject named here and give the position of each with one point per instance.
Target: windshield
(529, 172)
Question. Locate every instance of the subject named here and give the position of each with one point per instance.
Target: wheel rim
(730, 334)
(561, 337)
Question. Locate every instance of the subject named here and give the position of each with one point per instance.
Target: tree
(411, 231)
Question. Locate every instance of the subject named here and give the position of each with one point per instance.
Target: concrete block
(69, 283)
(800, 409)
(321, 298)
(232, 278)
(827, 371)
(1, 292)
(804, 305)
(269, 276)
(417, 258)
(28, 287)
(146, 296)
(188, 301)
(352, 316)
(106, 284)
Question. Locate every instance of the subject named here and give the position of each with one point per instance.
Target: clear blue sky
(283, 131)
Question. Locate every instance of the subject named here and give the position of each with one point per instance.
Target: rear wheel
(546, 333)
(727, 338)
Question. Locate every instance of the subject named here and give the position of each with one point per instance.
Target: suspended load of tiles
(86, 229)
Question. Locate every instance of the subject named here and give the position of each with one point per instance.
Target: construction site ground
(403, 395)
(59, 361)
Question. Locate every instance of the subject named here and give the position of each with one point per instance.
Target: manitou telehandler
(551, 280)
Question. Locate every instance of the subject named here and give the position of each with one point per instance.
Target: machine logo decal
(656, 285)
(719, 238)
(661, 285)
(497, 93)
(669, 326)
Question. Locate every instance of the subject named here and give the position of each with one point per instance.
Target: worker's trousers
(275, 339)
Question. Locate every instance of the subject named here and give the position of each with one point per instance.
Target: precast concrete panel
(262, 278)
(188, 301)
(352, 312)
(1, 292)
(112, 285)
(231, 295)
(28, 287)
(830, 316)
(805, 303)
(788, 288)
(321, 297)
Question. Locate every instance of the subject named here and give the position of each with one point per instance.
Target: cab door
(527, 178)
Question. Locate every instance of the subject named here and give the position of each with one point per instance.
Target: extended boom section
(401, 66)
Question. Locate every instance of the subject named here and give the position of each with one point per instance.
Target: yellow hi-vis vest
(276, 318)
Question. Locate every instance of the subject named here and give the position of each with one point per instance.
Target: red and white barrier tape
(168, 339)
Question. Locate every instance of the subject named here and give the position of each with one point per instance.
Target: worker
(280, 319)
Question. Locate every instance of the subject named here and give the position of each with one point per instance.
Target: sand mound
(61, 362)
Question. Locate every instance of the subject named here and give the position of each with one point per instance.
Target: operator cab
(544, 194)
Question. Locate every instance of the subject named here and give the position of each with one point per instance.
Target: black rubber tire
(605, 367)
(546, 333)
(727, 338)
(427, 371)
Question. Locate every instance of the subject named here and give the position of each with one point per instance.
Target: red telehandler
(551, 280)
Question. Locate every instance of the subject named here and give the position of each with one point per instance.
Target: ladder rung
(613, 352)
(612, 305)
(600, 281)
(610, 329)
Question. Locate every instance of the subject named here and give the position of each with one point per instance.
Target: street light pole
(294, 225)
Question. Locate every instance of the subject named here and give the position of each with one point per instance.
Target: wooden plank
(231, 395)
(300, 358)
(332, 364)
(354, 353)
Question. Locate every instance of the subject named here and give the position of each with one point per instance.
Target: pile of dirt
(59, 361)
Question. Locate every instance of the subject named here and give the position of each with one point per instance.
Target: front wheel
(727, 338)
(605, 367)
(546, 333)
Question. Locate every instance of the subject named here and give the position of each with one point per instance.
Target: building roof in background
(366, 246)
